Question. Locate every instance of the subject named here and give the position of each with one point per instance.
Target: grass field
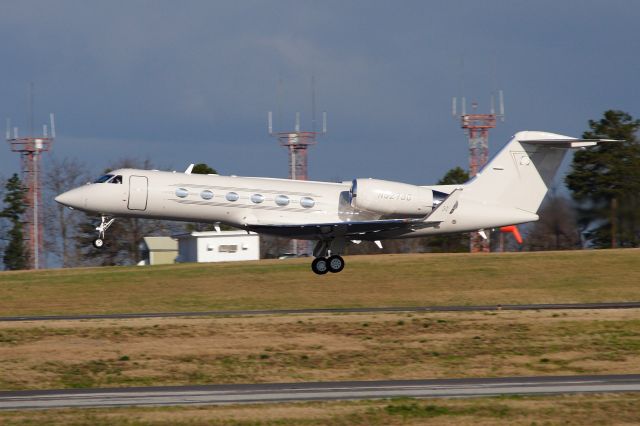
(578, 410)
(156, 351)
(384, 280)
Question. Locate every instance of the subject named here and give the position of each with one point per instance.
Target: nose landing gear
(105, 223)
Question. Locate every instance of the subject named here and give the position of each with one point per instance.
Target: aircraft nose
(71, 198)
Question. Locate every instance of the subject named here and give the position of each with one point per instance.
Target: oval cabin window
(232, 196)
(282, 200)
(307, 202)
(206, 194)
(257, 198)
(181, 192)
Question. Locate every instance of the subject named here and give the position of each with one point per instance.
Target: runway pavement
(281, 392)
(529, 307)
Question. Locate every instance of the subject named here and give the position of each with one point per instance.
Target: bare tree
(63, 224)
(271, 246)
(557, 228)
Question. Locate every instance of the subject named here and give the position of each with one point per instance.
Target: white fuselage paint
(330, 202)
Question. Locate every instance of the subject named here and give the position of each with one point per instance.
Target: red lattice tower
(297, 143)
(30, 150)
(477, 128)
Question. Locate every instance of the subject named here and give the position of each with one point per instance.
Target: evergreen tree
(203, 169)
(605, 183)
(457, 175)
(15, 253)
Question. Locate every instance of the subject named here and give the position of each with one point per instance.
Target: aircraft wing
(360, 230)
(355, 230)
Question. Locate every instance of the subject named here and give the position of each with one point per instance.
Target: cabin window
(257, 198)
(103, 179)
(307, 202)
(206, 194)
(232, 196)
(282, 200)
(181, 192)
(228, 248)
(116, 179)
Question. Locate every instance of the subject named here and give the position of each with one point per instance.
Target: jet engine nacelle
(391, 199)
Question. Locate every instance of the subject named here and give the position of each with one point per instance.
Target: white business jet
(507, 191)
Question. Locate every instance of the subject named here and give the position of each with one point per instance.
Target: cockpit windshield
(109, 178)
(103, 179)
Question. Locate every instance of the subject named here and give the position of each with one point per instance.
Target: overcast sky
(191, 81)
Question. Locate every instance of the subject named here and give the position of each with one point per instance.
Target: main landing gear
(322, 265)
(326, 257)
(105, 223)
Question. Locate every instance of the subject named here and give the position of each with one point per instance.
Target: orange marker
(514, 230)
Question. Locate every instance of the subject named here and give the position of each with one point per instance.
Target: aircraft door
(138, 192)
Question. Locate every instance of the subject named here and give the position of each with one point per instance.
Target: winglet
(189, 169)
(446, 208)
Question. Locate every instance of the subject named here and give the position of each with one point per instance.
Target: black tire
(320, 265)
(335, 263)
(98, 243)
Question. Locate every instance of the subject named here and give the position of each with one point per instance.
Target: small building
(214, 246)
(159, 250)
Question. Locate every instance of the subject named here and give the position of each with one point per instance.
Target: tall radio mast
(477, 127)
(297, 142)
(30, 149)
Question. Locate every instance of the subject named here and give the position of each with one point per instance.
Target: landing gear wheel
(320, 265)
(336, 263)
(105, 223)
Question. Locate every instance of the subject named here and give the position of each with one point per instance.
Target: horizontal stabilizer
(568, 143)
(446, 208)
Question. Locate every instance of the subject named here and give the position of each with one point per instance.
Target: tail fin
(521, 173)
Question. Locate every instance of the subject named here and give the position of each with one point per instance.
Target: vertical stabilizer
(521, 173)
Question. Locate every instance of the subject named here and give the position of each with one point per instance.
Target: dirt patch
(69, 354)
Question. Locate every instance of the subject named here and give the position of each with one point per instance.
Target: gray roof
(161, 243)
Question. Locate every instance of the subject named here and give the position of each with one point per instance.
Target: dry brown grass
(591, 409)
(102, 353)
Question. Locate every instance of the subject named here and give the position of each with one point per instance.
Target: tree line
(603, 211)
